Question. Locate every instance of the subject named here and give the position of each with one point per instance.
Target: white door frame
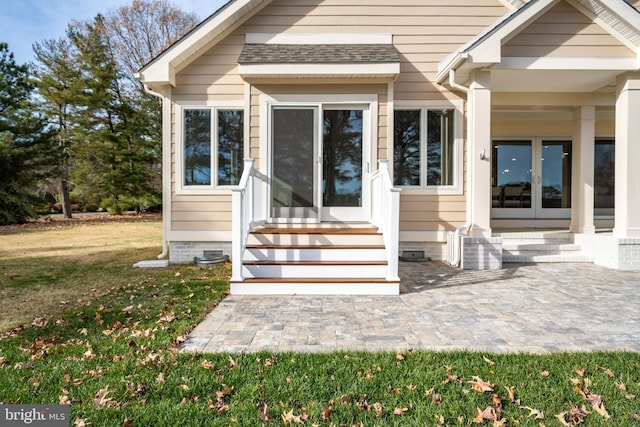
(368, 104)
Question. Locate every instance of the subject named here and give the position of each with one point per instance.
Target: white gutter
(166, 171)
(464, 230)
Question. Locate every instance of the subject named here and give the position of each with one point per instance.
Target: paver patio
(522, 308)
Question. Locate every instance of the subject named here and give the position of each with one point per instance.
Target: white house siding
(565, 32)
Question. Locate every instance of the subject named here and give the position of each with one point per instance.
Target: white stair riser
(315, 288)
(264, 254)
(540, 247)
(542, 258)
(314, 239)
(315, 271)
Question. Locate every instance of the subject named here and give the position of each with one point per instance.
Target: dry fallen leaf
(512, 392)
(489, 414)
(206, 364)
(399, 411)
(539, 415)
(580, 372)
(100, 399)
(489, 361)
(480, 385)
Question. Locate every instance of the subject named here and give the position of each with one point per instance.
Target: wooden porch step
(315, 262)
(312, 286)
(318, 230)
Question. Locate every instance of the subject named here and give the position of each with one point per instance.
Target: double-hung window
(212, 147)
(426, 151)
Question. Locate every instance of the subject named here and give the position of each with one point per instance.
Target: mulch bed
(58, 222)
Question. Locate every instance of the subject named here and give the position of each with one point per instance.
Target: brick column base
(481, 253)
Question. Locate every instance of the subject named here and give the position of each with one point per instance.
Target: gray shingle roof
(316, 54)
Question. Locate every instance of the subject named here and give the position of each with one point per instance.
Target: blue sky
(24, 22)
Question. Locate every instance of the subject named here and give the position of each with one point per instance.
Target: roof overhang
(162, 70)
(319, 57)
(485, 50)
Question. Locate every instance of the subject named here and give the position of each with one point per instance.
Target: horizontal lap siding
(565, 32)
(424, 32)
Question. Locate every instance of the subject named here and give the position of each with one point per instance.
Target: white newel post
(583, 153)
(627, 186)
(242, 212)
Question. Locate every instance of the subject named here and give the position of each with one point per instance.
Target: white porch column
(584, 134)
(479, 154)
(627, 201)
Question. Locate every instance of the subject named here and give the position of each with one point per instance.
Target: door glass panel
(604, 177)
(511, 170)
(342, 158)
(292, 189)
(556, 174)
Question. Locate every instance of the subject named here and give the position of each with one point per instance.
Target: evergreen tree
(60, 89)
(25, 151)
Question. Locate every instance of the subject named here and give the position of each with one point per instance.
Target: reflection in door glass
(556, 174)
(604, 176)
(342, 158)
(293, 160)
(511, 174)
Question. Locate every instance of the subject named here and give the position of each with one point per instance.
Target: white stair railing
(247, 211)
(386, 215)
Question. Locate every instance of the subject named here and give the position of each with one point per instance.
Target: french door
(318, 163)
(531, 178)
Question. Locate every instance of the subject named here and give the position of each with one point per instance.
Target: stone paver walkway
(522, 308)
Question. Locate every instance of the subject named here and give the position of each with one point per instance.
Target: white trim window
(426, 150)
(211, 147)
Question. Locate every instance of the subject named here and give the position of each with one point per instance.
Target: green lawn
(114, 359)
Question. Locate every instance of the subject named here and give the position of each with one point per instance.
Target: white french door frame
(320, 103)
(536, 210)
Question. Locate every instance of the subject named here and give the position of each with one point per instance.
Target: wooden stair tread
(314, 280)
(303, 263)
(316, 231)
(274, 246)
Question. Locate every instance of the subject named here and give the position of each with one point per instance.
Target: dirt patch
(80, 220)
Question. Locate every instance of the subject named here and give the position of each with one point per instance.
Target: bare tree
(144, 29)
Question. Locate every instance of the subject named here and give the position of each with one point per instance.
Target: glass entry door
(531, 178)
(319, 163)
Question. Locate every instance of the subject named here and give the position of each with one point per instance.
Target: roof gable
(617, 17)
(161, 71)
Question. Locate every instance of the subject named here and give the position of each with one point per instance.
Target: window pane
(604, 176)
(197, 147)
(440, 150)
(406, 155)
(230, 146)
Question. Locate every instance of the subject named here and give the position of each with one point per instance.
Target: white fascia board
(568, 63)
(164, 67)
(317, 38)
(386, 70)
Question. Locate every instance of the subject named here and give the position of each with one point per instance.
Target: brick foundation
(184, 252)
(479, 253)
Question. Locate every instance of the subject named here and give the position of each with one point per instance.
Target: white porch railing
(386, 215)
(247, 211)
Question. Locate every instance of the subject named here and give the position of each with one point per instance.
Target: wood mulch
(57, 222)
